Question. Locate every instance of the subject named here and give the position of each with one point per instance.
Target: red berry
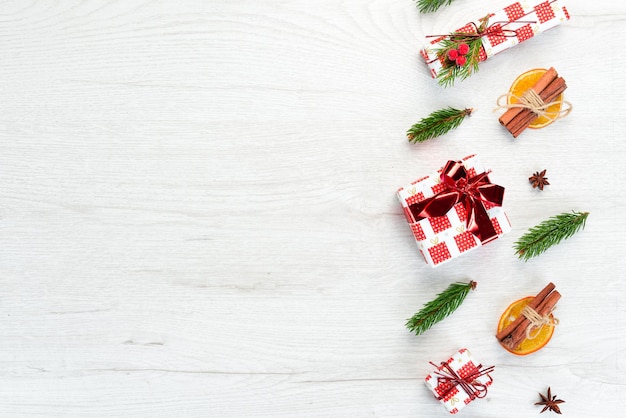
(453, 54)
(463, 49)
(461, 60)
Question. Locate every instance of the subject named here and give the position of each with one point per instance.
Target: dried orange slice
(525, 81)
(527, 346)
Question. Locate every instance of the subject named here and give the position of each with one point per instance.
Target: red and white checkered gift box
(443, 238)
(506, 28)
(454, 378)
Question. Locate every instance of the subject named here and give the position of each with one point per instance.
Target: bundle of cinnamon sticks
(548, 88)
(513, 335)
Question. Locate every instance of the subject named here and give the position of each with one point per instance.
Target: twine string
(532, 101)
(537, 321)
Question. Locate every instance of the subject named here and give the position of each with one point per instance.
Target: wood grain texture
(198, 218)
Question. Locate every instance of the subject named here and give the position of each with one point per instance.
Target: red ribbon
(496, 28)
(472, 192)
(469, 384)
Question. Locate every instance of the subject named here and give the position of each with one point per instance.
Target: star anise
(539, 179)
(550, 403)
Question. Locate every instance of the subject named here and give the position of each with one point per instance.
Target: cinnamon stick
(556, 87)
(533, 304)
(544, 308)
(539, 86)
(526, 116)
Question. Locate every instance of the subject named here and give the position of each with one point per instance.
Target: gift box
(454, 210)
(459, 380)
(498, 31)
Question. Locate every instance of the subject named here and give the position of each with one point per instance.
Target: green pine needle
(548, 233)
(439, 308)
(437, 123)
(427, 6)
(450, 71)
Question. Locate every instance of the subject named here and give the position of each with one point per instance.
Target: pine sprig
(439, 308)
(427, 6)
(437, 123)
(548, 233)
(450, 71)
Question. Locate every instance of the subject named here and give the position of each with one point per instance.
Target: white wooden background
(198, 213)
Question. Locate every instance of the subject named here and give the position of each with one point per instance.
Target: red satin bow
(469, 384)
(472, 192)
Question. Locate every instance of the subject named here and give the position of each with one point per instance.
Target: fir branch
(427, 6)
(439, 308)
(548, 233)
(437, 123)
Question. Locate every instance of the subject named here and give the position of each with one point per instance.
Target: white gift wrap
(454, 399)
(444, 238)
(520, 21)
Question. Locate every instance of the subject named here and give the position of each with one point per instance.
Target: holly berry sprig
(458, 55)
(461, 54)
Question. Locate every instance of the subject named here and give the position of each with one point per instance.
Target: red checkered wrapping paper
(515, 17)
(453, 397)
(443, 238)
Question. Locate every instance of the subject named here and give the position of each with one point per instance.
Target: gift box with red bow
(459, 380)
(497, 32)
(454, 210)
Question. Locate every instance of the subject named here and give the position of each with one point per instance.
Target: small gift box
(454, 210)
(493, 33)
(459, 380)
